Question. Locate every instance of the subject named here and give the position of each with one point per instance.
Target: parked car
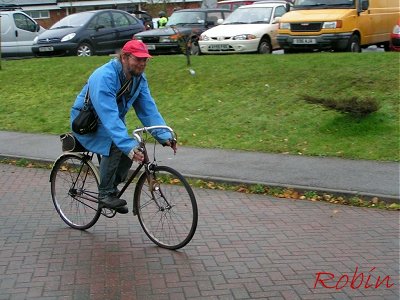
(395, 37)
(250, 28)
(184, 26)
(88, 33)
(18, 30)
(233, 4)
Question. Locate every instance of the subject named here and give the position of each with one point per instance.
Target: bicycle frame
(147, 168)
(146, 163)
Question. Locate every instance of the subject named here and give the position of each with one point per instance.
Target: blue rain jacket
(104, 84)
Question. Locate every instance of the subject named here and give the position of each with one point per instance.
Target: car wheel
(290, 51)
(386, 47)
(265, 46)
(195, 48)
(354, 44)
(84, 49)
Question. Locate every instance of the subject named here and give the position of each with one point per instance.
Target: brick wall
(152, 9)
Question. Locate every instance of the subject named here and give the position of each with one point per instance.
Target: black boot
(112, 202)
(122, 209)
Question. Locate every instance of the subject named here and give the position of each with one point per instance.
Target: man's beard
(135, 73)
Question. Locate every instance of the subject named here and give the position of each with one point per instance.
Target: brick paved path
(246, 247)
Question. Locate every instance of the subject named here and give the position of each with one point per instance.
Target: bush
(354, 105)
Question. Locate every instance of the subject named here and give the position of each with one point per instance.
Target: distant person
(163, 19)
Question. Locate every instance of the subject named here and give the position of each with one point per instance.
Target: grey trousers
(113, 171)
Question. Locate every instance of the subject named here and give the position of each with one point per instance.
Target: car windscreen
(250, 15)
(320, 4)
(74, 20)
(186, 18)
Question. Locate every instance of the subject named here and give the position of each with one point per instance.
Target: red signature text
(355, 281)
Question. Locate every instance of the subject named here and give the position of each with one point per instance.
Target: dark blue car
(88, 33)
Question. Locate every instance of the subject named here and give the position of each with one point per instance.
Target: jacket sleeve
(147, 112)
(103, 90)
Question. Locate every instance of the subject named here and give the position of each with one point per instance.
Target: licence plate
(304, 41)
(46, 49)
(151, 47)
(218, 47)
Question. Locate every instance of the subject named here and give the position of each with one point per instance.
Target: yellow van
(339, 25)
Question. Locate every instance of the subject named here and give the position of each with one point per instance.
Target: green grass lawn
(246, 102)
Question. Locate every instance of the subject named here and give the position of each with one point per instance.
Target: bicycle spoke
(167, 212)
(74, 189)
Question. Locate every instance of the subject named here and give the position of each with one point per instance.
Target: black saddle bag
(69, 143)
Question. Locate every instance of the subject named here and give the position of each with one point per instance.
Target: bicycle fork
(156, 192)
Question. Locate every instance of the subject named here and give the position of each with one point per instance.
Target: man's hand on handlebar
(136, 155)
(171, 143)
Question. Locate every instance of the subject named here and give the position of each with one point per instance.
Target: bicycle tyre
(168, 226)
(74, 190)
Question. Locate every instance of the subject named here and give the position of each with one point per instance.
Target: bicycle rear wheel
(166, 207)
(74, 189)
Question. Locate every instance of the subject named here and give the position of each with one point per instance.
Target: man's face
(135, 65)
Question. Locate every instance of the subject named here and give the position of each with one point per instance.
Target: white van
(17, 33)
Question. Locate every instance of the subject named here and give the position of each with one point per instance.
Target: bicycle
(163, 199)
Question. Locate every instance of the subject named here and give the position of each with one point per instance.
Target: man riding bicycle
(111, 139)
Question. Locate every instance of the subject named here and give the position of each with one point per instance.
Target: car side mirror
(99, 27)
(37, 28)
(276, 20)
(364, 4)
(220, 21)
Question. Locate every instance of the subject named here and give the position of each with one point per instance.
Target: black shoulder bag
(87, 120)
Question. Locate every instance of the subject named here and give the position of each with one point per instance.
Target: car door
(8, 42)
(22, 31)
(126, 26)
(363, 22)
(278, 12)
(102, 32)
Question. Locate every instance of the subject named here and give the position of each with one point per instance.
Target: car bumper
(211, 47)
(395, 42)
(164, 48)
(54, 49)
(311, 42)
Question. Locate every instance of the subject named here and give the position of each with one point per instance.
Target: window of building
(39, 14)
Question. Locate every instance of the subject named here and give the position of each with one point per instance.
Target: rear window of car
(232, 5)
(121, 19)
(186, 17)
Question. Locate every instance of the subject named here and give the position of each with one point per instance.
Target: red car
(395, 37)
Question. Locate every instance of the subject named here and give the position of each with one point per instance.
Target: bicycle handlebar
(137, 136)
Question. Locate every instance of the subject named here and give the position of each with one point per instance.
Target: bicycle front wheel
(74, 189)
(166, 207)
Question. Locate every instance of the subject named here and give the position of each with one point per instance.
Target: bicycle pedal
(109, 213)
